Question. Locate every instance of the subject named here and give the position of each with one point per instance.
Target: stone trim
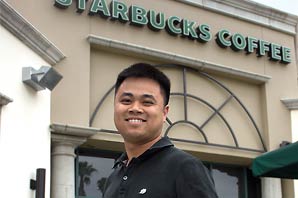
(250, 11)
(172, 57)
(77, 131)
(291, 104)
(66, 141)
(23, 30)
(4, 100)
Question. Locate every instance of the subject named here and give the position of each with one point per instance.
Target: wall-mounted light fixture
(39, 183)
(44, 77)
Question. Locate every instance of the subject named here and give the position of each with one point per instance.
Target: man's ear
(165, 112)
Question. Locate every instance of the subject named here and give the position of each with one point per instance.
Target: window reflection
(92, 172)
(229, 181)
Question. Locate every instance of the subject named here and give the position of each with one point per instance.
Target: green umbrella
(280, 163)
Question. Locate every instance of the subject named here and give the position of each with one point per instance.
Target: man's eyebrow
(126, 94)
(148, 96)
(144, 96)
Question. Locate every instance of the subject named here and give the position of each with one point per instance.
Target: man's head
(140, 105)
(144, 70)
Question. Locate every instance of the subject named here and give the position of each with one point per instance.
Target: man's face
(139, 110)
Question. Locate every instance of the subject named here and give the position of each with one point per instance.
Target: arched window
(203, 106)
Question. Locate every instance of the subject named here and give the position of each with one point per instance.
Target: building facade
(25, 138)
(233, 68)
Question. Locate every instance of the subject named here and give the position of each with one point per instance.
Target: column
(63, 165)
(271, 187)
(65, 139)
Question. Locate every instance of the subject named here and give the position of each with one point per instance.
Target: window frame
(246, 174)
(88, 152)
(115, 154)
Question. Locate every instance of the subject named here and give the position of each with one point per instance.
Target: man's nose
(136, 108)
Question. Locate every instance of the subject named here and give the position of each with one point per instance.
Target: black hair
(145, 70)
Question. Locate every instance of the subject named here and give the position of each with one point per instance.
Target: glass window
(94, 166)
(253, 186)
(229, 181)
(92, 169)
(235, 181)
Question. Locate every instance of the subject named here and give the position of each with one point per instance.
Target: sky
(290, 6)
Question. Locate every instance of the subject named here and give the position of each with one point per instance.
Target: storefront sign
(175, 26)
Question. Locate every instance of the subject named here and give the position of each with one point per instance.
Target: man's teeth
(135, 120)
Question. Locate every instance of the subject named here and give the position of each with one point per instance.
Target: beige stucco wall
(89, 72)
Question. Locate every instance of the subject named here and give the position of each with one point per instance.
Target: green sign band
(174, 25)
(238, 42)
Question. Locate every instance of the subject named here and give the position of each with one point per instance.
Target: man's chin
(135, 139)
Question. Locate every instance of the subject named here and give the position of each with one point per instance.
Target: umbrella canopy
(280, 163)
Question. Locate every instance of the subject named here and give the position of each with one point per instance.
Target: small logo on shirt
(143, 191)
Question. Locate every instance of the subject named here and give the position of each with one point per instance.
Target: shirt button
(125, 178)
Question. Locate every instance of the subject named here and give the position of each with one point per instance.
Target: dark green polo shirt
(163, 171)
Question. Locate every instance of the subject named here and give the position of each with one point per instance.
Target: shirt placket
(124, 185)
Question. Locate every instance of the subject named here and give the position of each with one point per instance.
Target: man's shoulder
(179, 155)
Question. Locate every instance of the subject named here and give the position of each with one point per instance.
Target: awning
(280, 163)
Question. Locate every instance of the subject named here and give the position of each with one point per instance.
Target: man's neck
(135, 150)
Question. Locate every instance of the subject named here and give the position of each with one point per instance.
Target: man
(151, 167)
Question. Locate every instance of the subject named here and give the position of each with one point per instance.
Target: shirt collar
(160, 144)
(163, 142)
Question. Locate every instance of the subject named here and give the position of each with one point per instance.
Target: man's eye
(148, 102)
(125, 101)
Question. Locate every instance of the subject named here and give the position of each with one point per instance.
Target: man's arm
(194, 181)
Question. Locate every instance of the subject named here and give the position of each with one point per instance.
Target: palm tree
(85, 171)
(101, 184)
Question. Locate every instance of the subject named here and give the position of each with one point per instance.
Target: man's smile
(135, 120)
